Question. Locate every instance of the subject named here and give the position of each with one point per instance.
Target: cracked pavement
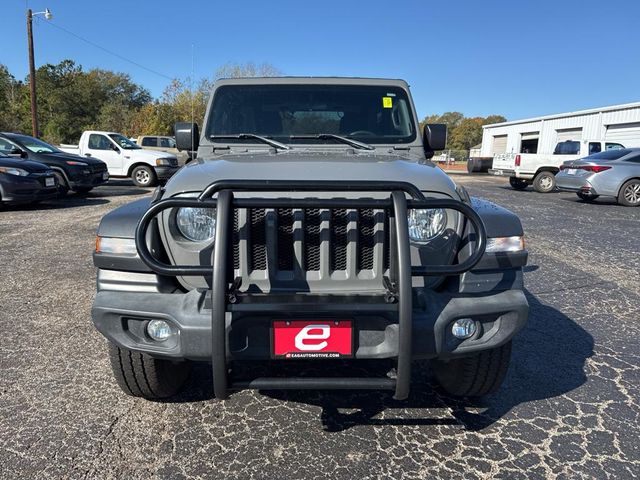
(569, 407)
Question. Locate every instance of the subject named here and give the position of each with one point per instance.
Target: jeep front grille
(296, 241)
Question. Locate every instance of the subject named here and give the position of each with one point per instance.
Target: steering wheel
(363, 132)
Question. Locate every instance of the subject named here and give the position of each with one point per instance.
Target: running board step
(318, 383)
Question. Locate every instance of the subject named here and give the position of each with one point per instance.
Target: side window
(594, 147)
(99, 142)
(149, 141)
(613, 146)
(165, 143)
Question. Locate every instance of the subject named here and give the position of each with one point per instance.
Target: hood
(63, 156)
(297, 165)
(28, 165)
(144, 154)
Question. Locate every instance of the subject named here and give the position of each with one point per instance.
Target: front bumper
(122, 318)
(164, 173)
(89, 180)
(21, 190)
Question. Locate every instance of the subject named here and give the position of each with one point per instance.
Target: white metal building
(618, 123)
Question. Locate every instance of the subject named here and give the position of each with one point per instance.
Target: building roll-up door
(628, 134)
(499, 144)
(574, 134)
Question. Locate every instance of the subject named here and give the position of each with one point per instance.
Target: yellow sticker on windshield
(387, 102)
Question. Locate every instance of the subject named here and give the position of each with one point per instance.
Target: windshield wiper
(331, 136)
(244, 136)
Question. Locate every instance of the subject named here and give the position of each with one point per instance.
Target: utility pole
(32, 76)
(32, 68)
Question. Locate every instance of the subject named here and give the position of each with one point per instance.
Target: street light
(32, 69)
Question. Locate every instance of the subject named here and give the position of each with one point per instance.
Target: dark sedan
(23, 181)
(73, 172)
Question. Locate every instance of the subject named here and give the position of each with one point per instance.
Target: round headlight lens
(196, 224)
(426, 224)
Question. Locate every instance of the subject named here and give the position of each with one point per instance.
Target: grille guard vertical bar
(219, 294)
(403, 281)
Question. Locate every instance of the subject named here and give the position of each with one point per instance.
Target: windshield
(36, 146)
(123, 142)
(371, 114)
(609, 154)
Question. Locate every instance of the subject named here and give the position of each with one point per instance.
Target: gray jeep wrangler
(311, 231)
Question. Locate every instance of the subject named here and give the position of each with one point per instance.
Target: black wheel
(544, 182)
(629, 195)
(518, 183)
(82, 190)
(144, 176)
(63, 186)
(141, 375)
(586, 197)
(474, 376)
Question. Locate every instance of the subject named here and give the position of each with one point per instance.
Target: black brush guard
(401, 269)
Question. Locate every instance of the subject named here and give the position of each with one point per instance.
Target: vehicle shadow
(548, 361)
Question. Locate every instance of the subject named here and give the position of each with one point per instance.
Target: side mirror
(187, 136)
(115, 148)
(434, 138)
(16, 152)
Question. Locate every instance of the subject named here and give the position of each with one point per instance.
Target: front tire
(63, 186)
(518, 183)
(544, 182)
(629, 195)
(141, 375)
(474, 376)
(144, 176)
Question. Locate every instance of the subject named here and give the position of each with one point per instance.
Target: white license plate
(571, 171)
(49, 182)
(105, 176)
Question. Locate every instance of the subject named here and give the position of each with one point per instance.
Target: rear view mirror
(16, 152)
(435, 138)
(187, 136)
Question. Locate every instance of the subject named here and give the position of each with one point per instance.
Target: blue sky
(518, 58)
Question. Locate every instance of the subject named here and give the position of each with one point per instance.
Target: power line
(93, 44)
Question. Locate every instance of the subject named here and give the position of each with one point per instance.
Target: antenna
(193, 72)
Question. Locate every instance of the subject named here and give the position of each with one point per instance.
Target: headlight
(165, 162)
(14, 171)
(196, 224)
(426, 224)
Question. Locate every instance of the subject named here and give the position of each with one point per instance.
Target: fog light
(159, 330)
(464, 328)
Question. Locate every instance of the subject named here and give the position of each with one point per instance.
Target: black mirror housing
(434, 138)
(187, 136)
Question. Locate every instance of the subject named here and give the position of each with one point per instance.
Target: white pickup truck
(539, 170)
(124, 158)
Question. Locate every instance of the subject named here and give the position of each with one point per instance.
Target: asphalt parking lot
(570, 406)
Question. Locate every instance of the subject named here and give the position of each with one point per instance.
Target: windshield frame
(413, 139)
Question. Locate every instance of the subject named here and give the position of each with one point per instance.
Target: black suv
(73, 172)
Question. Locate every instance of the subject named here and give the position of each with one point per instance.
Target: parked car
(298, 238)
(24, 181)
(163, 143)
(124, 158)
(73, 172)
(613, 173)
(538, 169)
